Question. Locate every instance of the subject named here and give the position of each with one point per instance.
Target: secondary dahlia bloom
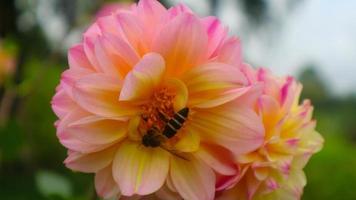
(134, 70)
(7, 64)
(275, 170)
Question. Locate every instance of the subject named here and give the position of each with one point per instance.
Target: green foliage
(331, 173)
(31, 157)
(11, 141)
(36, 115)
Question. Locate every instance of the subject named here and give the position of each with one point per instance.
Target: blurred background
(314, 40)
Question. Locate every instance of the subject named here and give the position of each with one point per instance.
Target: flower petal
(310, 141)
(71, 142)
(74, 144)
(96, 130)
(292, 188)
(234, 193)
(122, 54)
(110, 8)
(189, 141)
(213, 84)
(179, 10)
(182, 43)
(252, 184)
(105, 185)
(165, 193)
(212, 156)
(109, 24)
(219, 75)
(230, 52)
(271, 114)
(226, 182)
(231, 125)
(250, 73)
(88, 44)
(216, 32)
(151, 13)
(142, 80)
(104, 61)
(70, 76)
(117, 48)
(98, 94)
(193, 179)
(140, 170)
(221, 97)
(271, 83)
(178, 87)
(62, 104)
(131, 28)
(77, 58)
(90, 162)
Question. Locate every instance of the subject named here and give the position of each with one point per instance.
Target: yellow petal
(189, 141)
(140, 170)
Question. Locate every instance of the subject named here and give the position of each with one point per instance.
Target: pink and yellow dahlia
(275, 170)
(137, 65)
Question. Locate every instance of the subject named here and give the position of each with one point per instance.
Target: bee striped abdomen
(175, 123)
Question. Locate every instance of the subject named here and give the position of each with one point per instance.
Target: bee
(155, 138)
(152, 138)
(175, 123)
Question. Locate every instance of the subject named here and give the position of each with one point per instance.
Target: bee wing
(174, 152)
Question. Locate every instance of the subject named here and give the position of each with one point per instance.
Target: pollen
(160, 105)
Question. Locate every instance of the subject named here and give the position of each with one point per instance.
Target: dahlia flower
(275, 170)
(133, 72)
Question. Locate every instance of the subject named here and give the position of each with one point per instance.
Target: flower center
(157, 110)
